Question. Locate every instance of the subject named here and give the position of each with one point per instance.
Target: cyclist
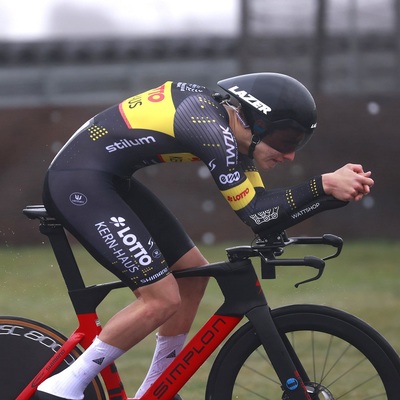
(265, 117)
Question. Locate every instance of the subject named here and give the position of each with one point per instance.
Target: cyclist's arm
(293, 205)
(277, 210)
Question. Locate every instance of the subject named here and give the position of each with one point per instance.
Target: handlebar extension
(267, 250)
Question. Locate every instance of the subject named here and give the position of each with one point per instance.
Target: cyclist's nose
(289, 156)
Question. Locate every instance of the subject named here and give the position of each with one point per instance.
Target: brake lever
(334, 241)
(268, 266)
(316, 263)
(316, 277)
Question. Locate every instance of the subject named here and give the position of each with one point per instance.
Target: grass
(363, 281)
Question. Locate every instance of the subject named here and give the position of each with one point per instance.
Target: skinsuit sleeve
(273, 211)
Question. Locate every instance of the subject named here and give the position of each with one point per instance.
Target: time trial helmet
(278, 109)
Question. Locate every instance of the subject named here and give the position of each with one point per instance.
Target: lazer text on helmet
(248, 98)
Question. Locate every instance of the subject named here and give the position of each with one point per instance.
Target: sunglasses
(283, 136)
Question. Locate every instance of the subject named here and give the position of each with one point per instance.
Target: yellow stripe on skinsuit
(255, 178)
(178, 157)
(153, 110)
(239, 196)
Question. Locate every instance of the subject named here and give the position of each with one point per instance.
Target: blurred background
(63, 61)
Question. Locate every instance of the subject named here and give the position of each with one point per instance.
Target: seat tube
(64, 255)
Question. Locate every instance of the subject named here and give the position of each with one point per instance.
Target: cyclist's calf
(156, 303)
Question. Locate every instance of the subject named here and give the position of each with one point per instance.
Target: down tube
(193, 355)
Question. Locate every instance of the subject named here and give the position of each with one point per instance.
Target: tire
(344, 358)
(25, 347)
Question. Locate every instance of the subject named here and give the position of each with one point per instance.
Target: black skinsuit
(89, 185)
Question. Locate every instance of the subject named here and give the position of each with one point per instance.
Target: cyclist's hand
(348, 183)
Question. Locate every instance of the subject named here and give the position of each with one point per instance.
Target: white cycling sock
(167, 348)
(72, 381)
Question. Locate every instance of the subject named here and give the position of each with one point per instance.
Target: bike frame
(243, 294)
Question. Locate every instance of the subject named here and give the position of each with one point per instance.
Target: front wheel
(25, 347)
(344, 358)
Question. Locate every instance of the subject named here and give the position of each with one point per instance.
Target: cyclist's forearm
(277, 210)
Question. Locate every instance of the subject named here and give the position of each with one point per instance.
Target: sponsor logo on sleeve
(264, 216)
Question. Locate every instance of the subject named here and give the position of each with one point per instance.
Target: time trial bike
(295, 352)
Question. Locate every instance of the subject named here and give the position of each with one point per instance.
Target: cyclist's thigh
(167, 231)
(87, 203)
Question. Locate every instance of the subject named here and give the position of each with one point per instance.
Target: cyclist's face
(267, 157)
(286, 141)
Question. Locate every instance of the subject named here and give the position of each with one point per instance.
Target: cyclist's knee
(161, 298)
(193, 258)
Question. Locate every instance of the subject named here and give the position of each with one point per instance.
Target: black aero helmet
(278, 109)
